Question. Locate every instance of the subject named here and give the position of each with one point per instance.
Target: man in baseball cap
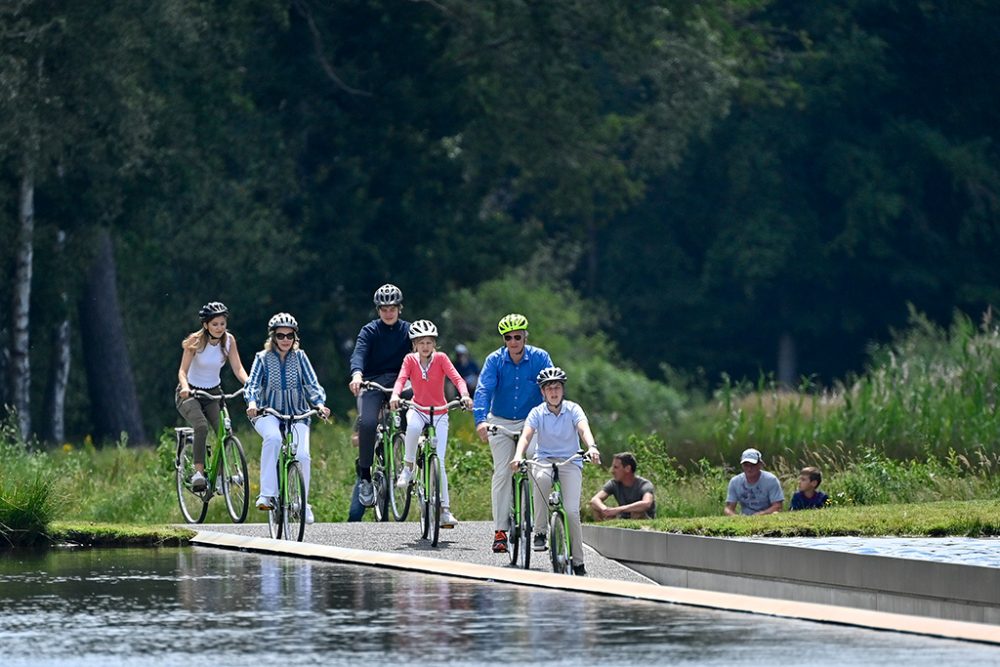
(756, 490)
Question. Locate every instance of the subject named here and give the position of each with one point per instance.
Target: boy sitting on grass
(809, 496)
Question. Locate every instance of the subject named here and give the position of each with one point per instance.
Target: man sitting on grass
(633, 494)
(809, 496)
(757, 491)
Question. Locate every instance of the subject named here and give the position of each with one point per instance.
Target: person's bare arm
(638, 507)
(730, 509)
(522, 444)
(597, 504)
(235, 363)
(775, 507)
(182, 372)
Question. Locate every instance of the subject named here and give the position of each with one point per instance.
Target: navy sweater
(380, 349)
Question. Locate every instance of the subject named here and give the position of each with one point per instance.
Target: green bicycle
(287, 519)
(560, 551)
(226, 471)
(428, 478)
(389, 448)
(522, 508)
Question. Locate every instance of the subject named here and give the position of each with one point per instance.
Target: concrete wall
(880, 583)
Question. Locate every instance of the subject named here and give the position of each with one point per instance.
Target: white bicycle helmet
(388, 295)
(422, 328)
(282, 320)
(551, 374)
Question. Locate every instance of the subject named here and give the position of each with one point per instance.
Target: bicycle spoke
(234, 479)
(193, 505)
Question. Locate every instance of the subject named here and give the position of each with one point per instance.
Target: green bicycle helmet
(512, 322)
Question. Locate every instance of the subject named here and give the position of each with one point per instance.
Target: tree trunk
(787, 362)
(19, 379)
(113, 399)
(59, 376)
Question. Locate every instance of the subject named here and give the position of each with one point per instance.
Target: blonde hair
(197, 341)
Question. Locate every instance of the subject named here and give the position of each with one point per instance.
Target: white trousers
(571, 480)
(269, 430)
(415, 422)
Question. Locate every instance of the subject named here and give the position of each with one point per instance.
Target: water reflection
(165, 606)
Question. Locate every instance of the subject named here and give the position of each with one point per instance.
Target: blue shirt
(800, 502)
(507, 389)
(380, 348)
(557, 434)
(754, 498)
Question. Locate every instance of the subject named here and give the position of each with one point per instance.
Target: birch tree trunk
(114, 402)
(19, 379)
(59, 376)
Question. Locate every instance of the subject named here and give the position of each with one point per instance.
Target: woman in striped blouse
(283, 379)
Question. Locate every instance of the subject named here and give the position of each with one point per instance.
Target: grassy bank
(970, 519)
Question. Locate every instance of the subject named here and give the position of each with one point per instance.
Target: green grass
(117, 534)
(971, 519)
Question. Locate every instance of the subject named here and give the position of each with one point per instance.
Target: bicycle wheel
(524, 529)
(234, 479)
(399, 498)
(293, 515)
(434, 493)
(558, 545)
(274, 521)
(513, 537)
(423, 499)
(194, 506)
(381, 487)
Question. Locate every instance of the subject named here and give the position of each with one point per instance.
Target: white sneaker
(265, 503)
(448, 519)
(310, 519)
(198, 481)
(404, 478)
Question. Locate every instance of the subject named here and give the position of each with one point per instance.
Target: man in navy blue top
(505, 394)
(378, 356)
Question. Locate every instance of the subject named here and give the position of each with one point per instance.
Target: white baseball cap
(751, 456)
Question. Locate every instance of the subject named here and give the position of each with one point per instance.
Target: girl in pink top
(426, 369)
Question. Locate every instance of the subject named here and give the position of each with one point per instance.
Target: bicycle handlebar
(369, 385)
(438, 408)
(198, 393)
(292, 418)
(497, 428)
(579, 456)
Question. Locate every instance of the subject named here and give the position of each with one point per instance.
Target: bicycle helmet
(388, 295)
(551, 374)
(211, 310)
(282, 320)
(422, 328)
(512, 322)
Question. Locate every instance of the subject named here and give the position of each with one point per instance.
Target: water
(200, 606)
(984, 552)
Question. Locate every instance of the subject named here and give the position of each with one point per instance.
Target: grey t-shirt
(754, 497)
(626, 495)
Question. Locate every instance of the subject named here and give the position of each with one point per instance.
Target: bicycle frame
(557, 513)
(386, 467)
(288, 509)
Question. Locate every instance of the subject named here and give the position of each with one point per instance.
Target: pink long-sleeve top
(428, 387)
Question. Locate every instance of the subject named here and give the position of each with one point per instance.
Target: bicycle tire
(293, 514)
(381, 489)
(194, 506)
(513, 537)
(435, 499)
(527, 521)
(423, 497)
(558, 548)
(234, 479)
(399, 499)
(274, 518)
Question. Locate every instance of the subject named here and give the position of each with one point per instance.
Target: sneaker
(539, 542)
(310, 519)
(448, 519)
(404, 478)
(580, 570)
(198, 481)
(366, 493)
(265, 503)
(500, 542)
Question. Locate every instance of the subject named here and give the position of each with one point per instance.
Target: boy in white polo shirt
(560, 424)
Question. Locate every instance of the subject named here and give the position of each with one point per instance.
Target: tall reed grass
(27, 498)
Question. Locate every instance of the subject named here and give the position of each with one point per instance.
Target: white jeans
(269, 430)
(415, 422)
(502, 447)
(571, 479)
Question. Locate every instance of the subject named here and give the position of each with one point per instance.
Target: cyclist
(378, 355)
(426, 369)
(282, 378)
(205, 353)
(560, 424)
(505, 393)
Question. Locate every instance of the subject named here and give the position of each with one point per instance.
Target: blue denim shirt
(507, 389)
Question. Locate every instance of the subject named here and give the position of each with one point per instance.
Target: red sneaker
(500, 542)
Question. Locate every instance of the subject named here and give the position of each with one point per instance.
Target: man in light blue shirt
(559, 425)
(757, 491)
(505, 394)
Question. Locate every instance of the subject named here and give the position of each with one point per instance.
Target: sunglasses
(512, 336)
(284, 336)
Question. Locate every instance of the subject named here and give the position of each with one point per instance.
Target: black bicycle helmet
(211, 310)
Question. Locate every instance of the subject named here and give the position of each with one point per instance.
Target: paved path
(469, 542)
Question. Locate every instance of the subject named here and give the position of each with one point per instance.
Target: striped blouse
(288, 386)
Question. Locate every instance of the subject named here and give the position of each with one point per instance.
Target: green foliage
(28, 499)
